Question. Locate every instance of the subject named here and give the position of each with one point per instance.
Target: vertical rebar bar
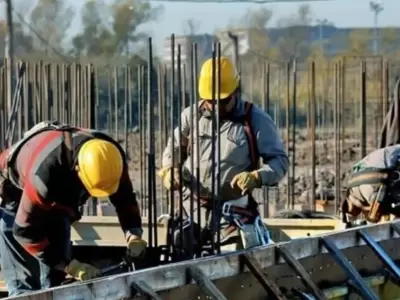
(294, 117)
(196, 138)
(289, 179)
(218, 143)
(151, 162)
(363, 112)
(313, 139)
(172, 144)
(180, 145)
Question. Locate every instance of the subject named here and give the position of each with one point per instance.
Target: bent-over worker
(46, 177)
(246, 131)
(373, 186)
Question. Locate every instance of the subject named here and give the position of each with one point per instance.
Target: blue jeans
(22, 271)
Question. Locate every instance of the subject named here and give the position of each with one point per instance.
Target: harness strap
(368, 176)
(67, 143)
(371, 176)
(251, 138)
(246, 216)
(235, 225)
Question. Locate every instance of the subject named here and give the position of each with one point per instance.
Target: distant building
(244, 41)
(204, 47)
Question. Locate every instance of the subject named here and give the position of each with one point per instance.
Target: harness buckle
(227, 209)
(186, 223)
(239, 223)
(262, 232)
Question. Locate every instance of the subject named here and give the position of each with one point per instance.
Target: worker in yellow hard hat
(46, 177)
(247, 134)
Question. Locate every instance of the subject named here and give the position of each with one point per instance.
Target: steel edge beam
(174, 275)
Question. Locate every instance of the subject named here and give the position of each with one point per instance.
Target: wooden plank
(174, 275)
(106, 231)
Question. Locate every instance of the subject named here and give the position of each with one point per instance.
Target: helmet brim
(100, 193)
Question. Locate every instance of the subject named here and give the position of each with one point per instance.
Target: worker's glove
(136, 246)
(246, 181)
(81, 271)
(166, 174)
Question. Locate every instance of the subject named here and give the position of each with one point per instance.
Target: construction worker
(46, 177)
(373, 187)
(247, 133)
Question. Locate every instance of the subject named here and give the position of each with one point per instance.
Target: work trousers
(22, 272)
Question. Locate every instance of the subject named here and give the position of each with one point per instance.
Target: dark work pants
(22, 272)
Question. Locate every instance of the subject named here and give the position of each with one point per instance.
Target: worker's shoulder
(386, 151)
(259, 117)
(390, 152)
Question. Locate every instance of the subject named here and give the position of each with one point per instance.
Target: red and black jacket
(51, 191)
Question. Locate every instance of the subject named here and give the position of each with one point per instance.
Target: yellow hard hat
(100, 165)
(229, 79)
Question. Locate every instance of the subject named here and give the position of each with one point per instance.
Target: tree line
(54, 29)
(110, 33)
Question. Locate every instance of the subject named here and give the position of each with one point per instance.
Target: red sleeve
(34, 227)
(29, 226)
(41, 234)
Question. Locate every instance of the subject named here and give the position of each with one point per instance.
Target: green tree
(93, 39)
(295, 33)
(120, 35)
(51, 19)
(23, 42)
(389, 41)
(359, 43)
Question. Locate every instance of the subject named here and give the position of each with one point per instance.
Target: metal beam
(354, 277)
(383, 256)
(274, 293)
(301, 272)
(169, 277)
(205, 283)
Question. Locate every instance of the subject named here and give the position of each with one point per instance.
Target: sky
(210, 16)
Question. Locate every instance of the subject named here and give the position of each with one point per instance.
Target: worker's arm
(41, 226)
(40, 229)
(181, 139)
(270, 147)
(126, 206)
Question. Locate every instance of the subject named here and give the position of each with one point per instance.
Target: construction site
(330, 111)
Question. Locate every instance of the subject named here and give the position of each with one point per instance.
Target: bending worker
(46, 177)
(373, 187)
(247, 134)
